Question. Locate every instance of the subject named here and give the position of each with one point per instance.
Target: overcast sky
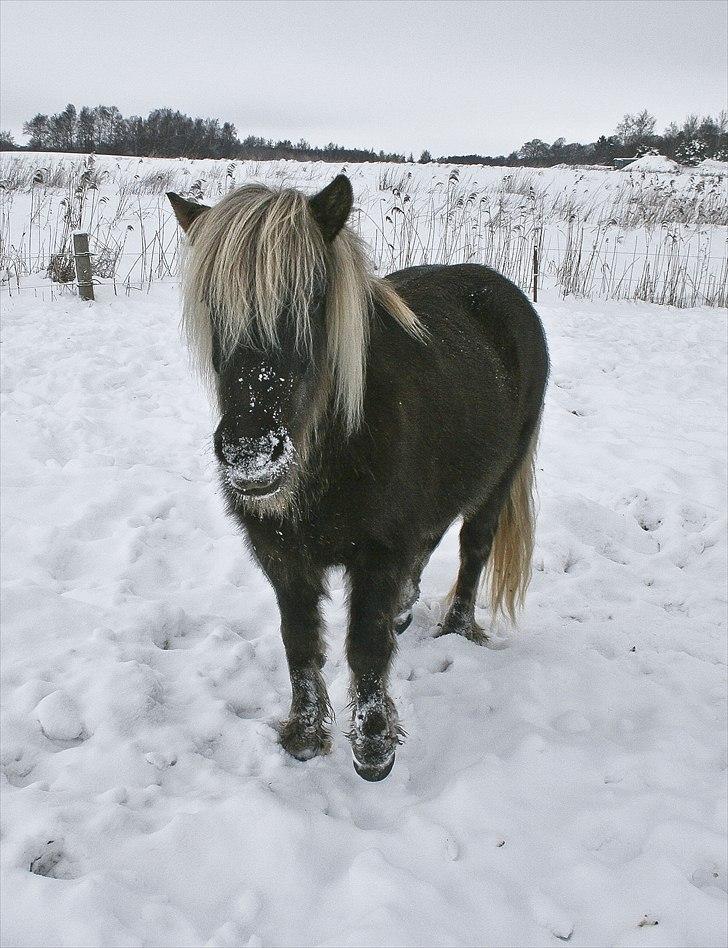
(454, 77)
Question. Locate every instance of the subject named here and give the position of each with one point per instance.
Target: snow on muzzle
(255, 467)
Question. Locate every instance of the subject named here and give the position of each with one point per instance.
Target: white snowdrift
(654, 163)
(712, 166)
(570, 786)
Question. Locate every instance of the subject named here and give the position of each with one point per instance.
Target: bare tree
(635, 130)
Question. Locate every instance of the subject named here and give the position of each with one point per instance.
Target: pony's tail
(508, 571)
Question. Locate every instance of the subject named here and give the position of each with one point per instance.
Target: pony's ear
(332, 206)
(185, 211)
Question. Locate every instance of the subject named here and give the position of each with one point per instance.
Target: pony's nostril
(277, 451)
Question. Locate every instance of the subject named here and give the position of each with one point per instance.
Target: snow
(570, 786)
(654, 163)
(712, 166)
(58, 717)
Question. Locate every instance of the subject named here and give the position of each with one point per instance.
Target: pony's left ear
(332, 206)
(185, 211)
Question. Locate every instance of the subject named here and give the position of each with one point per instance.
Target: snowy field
(657, 233)
(569, 787)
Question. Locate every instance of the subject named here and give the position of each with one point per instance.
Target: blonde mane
(260, 251)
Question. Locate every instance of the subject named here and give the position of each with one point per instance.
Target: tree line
(169, 133)
(688, 143)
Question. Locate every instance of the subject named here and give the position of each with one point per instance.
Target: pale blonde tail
(508, 572)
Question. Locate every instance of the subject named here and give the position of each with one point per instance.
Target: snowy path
(570, 786)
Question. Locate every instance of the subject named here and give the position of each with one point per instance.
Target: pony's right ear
(332, 206)
(185, 211)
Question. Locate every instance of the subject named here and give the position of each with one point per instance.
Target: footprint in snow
(59, 717)
(434, 668)
(713, 875)
(647, 511)
(50, 861)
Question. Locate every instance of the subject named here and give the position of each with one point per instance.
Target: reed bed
(599, 234)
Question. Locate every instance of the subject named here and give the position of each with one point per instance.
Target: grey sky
(454, 77)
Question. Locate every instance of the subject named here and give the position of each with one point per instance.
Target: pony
(360, 416)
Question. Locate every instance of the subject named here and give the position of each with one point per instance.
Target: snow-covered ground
(570, 786)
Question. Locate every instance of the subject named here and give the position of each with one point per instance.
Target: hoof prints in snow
(561, 790)
(47, 863)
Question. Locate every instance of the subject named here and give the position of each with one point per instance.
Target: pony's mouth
(255, 489)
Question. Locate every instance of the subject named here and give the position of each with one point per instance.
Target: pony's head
(277, 303)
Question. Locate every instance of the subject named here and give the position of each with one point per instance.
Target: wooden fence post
(81, 255)
(535, 274)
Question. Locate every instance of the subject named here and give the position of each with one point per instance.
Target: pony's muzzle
(254, 467)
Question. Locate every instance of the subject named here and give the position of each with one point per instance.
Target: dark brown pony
(359, 418)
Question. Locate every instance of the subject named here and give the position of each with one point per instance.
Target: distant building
(621, 162)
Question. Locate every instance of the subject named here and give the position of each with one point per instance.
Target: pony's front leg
(304, 734)
(376, 590)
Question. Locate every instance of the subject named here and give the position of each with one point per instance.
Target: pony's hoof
(375, 734)
(402, 622)
(371, 772)
(467, 630)
(473, 633)
(304, 743)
